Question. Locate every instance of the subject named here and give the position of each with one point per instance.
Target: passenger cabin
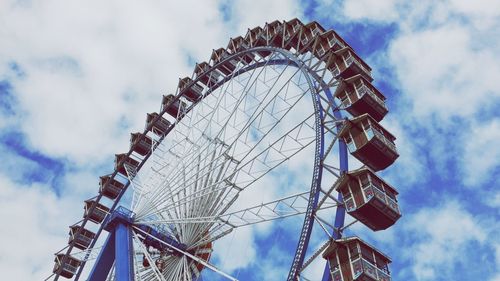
(292, 33)
(359, 96)
(256, 37)
(239, 44)
(121, 160)
(352, 259)
(67, 268)
(227, 66)
(190, 90)
(308, 36)
(327, 42)
(369, 199)
(174, 108)
(80, 237)
(306, 40)
(94, 211)
(346, 63)
(141, 144)
(203, 75)
(274, 33)
(110, 187)
(369, 142)
(157, 125)
(315, 28)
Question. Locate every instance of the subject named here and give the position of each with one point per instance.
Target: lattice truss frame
(216, 171)
(194, 175)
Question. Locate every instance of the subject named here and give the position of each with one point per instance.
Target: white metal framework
(259, 145)
(233, 139)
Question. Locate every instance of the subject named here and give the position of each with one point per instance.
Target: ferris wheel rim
(298, 64)
(292, 60)
(249, 50)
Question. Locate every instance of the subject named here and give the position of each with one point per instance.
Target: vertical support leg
(340, 213)
(124, 262)
(104, 261)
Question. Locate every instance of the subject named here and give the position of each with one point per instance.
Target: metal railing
(384, 139)
(362, 265)
(365, 90)
(377, 192)
(350, 59)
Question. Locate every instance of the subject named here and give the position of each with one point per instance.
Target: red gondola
(96, 214)
(292, 33)
(121, 160)
(80, 237)
(140, 143)
(109, 187)
(174, 108)
(359, 96)
(353, 259)
(239, 44)
(157, 126)
(369, 142)
(346, 63)
(205, 77)
(190, 90)
(68, 268)
(369, 199)
(327, 42)
(228, 66)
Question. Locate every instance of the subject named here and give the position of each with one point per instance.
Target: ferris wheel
(261, 134)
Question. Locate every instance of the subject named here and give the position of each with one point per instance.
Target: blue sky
(76, 80)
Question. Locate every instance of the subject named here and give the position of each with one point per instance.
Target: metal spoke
(277, 209)
(186, 254)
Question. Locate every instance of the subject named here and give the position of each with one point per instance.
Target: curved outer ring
(319, 149)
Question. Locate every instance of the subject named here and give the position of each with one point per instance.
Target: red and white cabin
(68, 268)
(190, 90)
(121, 160)
(109, 187)
(80, 237)
(369, 199)
(369, 142)
(96, 214)
(157, 125)
(346, 63)
(358, 96)
(174, 108)
(353, 259)
(204, 75)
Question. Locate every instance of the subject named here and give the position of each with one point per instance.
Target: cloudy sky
(76, 79)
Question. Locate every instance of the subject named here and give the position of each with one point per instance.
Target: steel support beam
(124, 269)
(104, 261)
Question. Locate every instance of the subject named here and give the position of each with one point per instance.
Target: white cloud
(35, 225)
(483, 14)
(435, 68)
(370, 9)
(444, 233)
(482, 153)
(237, 250)
(409, 167)
(249, 14)
(494, 201)
(92, 68)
